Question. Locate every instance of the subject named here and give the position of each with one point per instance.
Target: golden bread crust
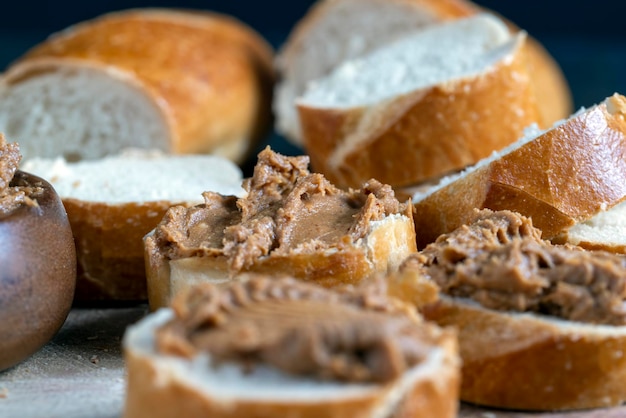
(524, 361)
(562, 177)
(109, 247)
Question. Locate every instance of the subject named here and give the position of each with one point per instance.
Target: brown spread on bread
(13, 193)
(357, 335)
(286, 210)
(501, 262)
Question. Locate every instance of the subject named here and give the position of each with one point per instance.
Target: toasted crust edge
(529, 362)
(109, 247)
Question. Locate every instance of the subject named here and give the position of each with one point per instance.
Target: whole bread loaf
(177, 81)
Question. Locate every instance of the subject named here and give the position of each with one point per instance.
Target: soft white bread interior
(113, 202)
(387, 115)
(336, 31)
(605, 231)
(178, 81)
(290, 221)
(559, 177)
(164, 385)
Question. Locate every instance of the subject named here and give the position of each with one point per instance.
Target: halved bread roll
(541, 326)
(291, 221)
(560, 177)
(426, 105)
(178, 81)
(200, 382)
(113, 202)
(335, 31)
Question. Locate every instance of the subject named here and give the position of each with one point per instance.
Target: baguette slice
(113, 202)
(334, 31)
(541, 326)
(421, 107)
(559, 178)
(178, 81)
(290, 222)
(161, 385)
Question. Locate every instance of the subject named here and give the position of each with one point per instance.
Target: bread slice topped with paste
(559, 177)
(541, 326)
(421, 107)
(274, 347)
(290, 221)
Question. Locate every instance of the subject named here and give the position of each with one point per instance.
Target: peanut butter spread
(358, 335)
(286, 210)
(501, 262)
(13, 192)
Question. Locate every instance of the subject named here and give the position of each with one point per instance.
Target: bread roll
(335, 31)
(37, 260)
(541, 327)
(178, 81)
(290, 221)
(560, 177)
(114, 201)
(421, 107)
(199, 383)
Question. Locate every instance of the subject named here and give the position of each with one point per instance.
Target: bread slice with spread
(541, 326)
(274, 347)
(290, 221)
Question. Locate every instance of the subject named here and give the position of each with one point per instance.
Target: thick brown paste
(352, 335)
(13, 194)
(501, 262)
(287, 209)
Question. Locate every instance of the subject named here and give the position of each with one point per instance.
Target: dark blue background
(587, 38)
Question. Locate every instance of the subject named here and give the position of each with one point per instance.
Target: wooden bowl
(37, 273)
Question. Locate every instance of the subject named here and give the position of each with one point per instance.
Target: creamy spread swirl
(359, 335)
(501, 262)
